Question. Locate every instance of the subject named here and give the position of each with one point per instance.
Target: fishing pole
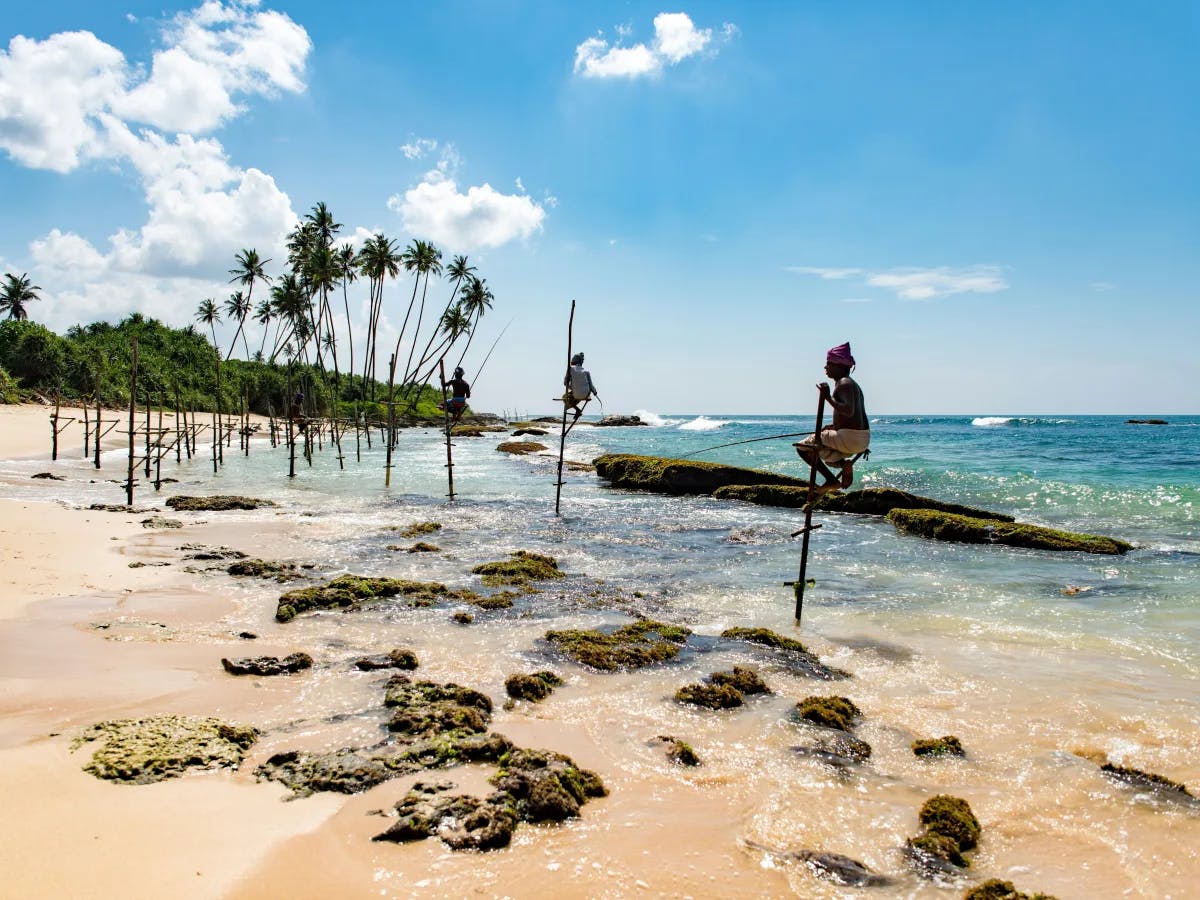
(773, 437)
(489, 353)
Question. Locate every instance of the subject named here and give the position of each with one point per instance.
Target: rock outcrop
(942, 526)
(679, 476)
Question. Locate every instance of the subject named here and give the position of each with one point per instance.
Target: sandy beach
(85, 637)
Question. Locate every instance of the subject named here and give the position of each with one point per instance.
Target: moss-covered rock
(829, 712)
(801, 660)
(947, 745)
(204, 553)
(161, 522)
(547, 786)
(462, 618)
(342, 771)
(216, 504)
(534, 432)
(631, 646)
(952, 817)
(935, 853)
(498, 600)
(141, 751)
(268, 665)
(522, 568)
(681, 753)
(347, 591)
(417, 529)
(1144, 780)
(397, 658)
(520, 448)
(426, 708)
(943, 526)
(679, 476)
(462, 821)
(261, 568)
(422, 547)
(711, 696)
(869, 501)
(838, 749)
(995, 889)
(535, 687)
(742, 679)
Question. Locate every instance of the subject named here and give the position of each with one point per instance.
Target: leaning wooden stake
(133, 367)
(391, 420)
(291, 433)
(449, 428)
(96, 443)
(562, 441)
(54, 431)
(809, 528)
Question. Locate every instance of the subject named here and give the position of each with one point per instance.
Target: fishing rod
(773, 437)
(489, 353)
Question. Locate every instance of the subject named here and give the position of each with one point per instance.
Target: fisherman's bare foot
(847, 478)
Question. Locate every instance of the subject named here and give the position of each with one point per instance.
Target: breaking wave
(702, 423)
(652, 419)
(1013, 421)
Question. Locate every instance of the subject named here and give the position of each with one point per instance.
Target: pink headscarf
(840, 355)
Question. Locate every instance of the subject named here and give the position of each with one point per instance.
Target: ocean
(1031, 658)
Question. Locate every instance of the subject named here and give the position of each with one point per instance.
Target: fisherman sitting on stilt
(460, 391)
(579, 386)
(848, 436)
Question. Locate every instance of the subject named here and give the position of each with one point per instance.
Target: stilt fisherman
(579, 386)
(848, 436)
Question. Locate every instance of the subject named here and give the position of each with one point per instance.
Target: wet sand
(85, 638)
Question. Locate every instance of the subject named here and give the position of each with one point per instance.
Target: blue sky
(999, 206)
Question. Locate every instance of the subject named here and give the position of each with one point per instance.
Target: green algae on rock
(268, 665)
(947, 745)
(417, 529)
(463, 822)
(680, 753)
(342, 771)
(142, 751)
(631, 646)
(679, 476)
(868, 501)
(711, 696)
(943, 526)
(520, 448)
(348, 591)
(422, 547)
(950, 830)
(546, 786)
(1144, 780)
(398, 658)
(742, 679)
(523, 568)
(261, 568)
(829, 712)
(995, 889)
(535, 687)
(428, 709)
(802, 659)
(218, 503)
(462, 618)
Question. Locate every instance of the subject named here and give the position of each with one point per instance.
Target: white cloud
(821, 272)
(419, 147)
(914, 283)
(925, 284)
(56, 94)
(676, 38)
(482, 217)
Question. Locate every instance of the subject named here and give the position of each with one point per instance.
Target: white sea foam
(702, 423)
(991, 421)
(650, 418)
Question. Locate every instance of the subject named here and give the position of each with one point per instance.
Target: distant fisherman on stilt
(460, 392)
(848, 436)
(579, 386)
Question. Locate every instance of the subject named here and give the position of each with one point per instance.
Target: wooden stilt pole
(391, 421)
(87, 432)
(178, 432)
(132, 413)
(562, 441)
(449, 428)
(147, 433)
(96, 443)
(798, 587)
(54, 431)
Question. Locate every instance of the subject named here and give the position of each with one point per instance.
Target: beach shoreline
(84, 638)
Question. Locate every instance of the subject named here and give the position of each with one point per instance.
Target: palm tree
(208, 313)
(378, 260)
(320, 219)
(249, 269)
(237, 307)
(477, 299)
(15, 293)
(263, 316)
(348, 272)
(423, 258)
(457, 271)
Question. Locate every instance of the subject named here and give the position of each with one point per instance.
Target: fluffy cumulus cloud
(676, 38)
(71, 99)
(914, 283)
(481, 217)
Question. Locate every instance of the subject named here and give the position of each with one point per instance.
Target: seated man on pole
(849, 434)
(578, 383)
(460, 391)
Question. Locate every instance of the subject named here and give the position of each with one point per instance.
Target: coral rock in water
(141, 751)
(964, 529)
(268, 665)
(631, 646)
